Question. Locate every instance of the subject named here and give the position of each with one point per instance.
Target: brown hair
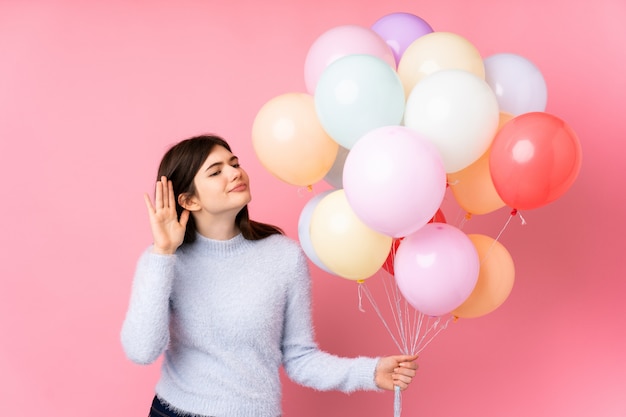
(180, 165)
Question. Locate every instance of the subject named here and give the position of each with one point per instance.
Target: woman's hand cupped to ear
(168, 232)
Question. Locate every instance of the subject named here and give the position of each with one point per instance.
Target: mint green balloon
(356, 94)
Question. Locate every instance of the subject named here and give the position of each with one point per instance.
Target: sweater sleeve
(145, 331)
(303, 361)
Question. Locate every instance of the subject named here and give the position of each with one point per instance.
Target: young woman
(227, 299)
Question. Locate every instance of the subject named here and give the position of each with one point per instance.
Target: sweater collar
(220, 248)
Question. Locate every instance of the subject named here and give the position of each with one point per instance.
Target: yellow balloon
(495, 278)
(473, 187)
(290, 142)
(343, 243)
(437, 51)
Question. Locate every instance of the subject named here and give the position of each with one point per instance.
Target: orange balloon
(473, 187)
(438, 51)
(495, 278)
(343, 243)
(290, 142)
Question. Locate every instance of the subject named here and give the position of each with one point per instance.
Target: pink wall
(91, 94)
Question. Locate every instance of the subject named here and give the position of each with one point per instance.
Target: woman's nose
(234, 173)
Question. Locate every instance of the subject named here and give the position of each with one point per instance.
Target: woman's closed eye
(219, 171)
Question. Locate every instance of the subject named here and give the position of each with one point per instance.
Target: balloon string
(369, 296)
(360, 293)
(304, 192)
(408, 340)
(506, 224)
(413, 334)
(397, 401)
(466, 217)
(415, 330)
(438, 329)
(419, 326)
(514, 212)
(395, 300)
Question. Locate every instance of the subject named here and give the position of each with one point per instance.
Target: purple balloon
(518, 84)
(399, 30)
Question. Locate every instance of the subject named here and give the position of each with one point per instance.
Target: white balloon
(518, 84)
(458, 112)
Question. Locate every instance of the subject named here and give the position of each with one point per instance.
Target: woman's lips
(239, 188)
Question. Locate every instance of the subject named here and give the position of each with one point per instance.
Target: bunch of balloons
(393, 115)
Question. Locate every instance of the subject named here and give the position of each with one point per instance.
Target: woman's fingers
(158, 195)
(184, 217)
(402, 384)
(408, 372)
(164, 195)
(167, 230)
(411, 364)
(170, 195)
(403, 377)
(163, 210)
(149, 204)
(165, 192)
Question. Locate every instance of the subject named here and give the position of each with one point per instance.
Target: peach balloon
(343, 243)
(436, 51)
(472, 186)
(495, 278)
(290, 141)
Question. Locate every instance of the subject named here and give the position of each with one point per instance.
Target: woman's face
(222, 186)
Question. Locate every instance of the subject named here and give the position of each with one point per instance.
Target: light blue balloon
(356, 94)
(304, 232)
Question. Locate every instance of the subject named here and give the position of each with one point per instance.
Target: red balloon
(439, 217)
(388, 265)
(534, 160)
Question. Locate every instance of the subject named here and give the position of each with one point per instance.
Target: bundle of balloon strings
(411, 331)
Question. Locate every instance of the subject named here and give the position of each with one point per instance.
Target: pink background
(91, 95)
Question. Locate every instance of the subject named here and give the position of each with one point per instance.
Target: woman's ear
(188, 202)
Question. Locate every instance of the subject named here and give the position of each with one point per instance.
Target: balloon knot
(456, 318)
(309, 188)
(468, 216)
(513, 212)
(360, 281)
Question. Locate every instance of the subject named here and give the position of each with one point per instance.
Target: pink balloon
(399, 30)
(436, 268)
(394, 180)
(341, 41)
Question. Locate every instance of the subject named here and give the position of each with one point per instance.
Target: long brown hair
(180, 165)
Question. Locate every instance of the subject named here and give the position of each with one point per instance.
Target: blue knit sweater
(227, 315)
